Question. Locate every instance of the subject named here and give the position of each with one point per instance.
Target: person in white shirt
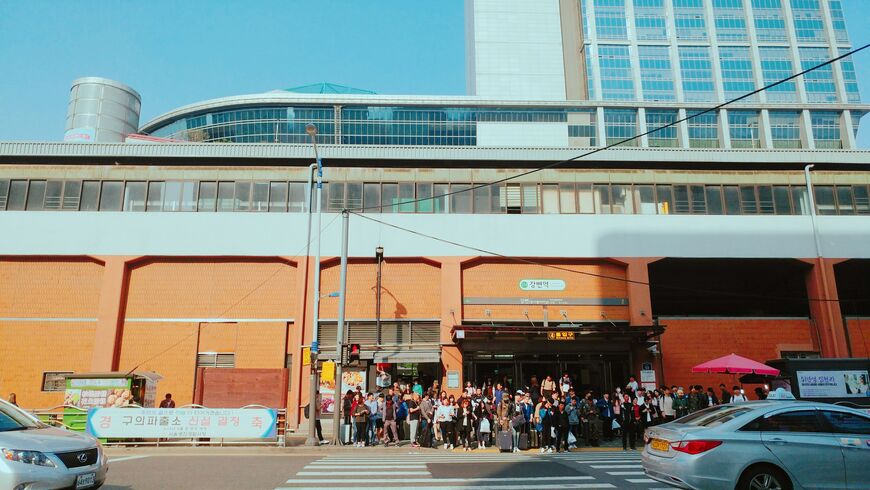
(667, 404)
(565, 384)
(444, 417)
(738, 395)
(632, 384)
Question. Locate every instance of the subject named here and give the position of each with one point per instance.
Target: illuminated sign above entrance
(560, 335)
(542, 285)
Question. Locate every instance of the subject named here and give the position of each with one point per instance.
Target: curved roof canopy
(327, 88)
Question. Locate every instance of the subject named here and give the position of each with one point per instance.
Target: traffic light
(353, 352)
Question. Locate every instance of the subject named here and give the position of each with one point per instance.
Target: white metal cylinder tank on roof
(101, 110)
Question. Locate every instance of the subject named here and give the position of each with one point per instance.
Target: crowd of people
(550, 415)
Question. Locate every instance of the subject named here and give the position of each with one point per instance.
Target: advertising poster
(350, 379)
(98, 393)
(163, 423)
(833, 384)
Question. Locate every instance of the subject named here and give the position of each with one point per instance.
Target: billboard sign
(833, 384)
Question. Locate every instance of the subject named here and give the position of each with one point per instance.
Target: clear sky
(175, 53)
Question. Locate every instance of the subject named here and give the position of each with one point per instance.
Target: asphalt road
(376, 468)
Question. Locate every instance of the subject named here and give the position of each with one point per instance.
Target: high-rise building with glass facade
(183, 249)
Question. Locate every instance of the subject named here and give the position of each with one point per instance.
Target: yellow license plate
(660, 445)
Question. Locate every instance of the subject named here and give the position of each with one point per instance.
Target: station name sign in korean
(542, 285)
(176, 423)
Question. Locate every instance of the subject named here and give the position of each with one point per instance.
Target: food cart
(106, 390)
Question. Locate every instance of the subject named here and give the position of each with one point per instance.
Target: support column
(451, 316)
(825, 307)
(639, 301)
(110, 316)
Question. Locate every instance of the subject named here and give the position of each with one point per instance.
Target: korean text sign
(248, 423)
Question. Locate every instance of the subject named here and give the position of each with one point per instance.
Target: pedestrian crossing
(413, 469)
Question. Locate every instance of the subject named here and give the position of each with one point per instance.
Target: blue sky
(176, 53)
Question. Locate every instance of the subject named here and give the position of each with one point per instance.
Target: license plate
(660, 445)
(86, 480)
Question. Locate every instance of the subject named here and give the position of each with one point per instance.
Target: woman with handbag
(483, 415)
(464, 423)
(545, 424)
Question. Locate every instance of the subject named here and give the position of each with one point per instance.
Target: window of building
(72, 191)
(531, 198)
(619, 125)
(644, 199)
(512, 199)
(730, 21)
(110, 196)
(800, 200)
(838, 20)
(54, 380)
(241, 199)
(776, 64)
(549, 199)
(90, 195)
(826, 129)
(681, 199)
(335, 202)
(769, 20)
(862, 200)
(296, 201)
(424, 193)
(4, 193)
(697, 73)
(809, 26)
(567, 199)
(353, 195)
(36, 195)
(845, 200)
(819, 83)
(703, 130)
(602, 198)
(800, 354)
(582, 127)
(782, 199)
(698, 199)
(585, 198)
(785, 129)
(748, 199)
(765, 199)
(207, 196)
(649, 20)
(737, 77)
(744, 128)
(656, 75)
(155, 196)
(441, 201)
(665, 196)
(714, 199)
(225, 196)
(610, 19)
(278, 197)
(134, 196)
(690, 21)
(53, 193)
(731, 195)
(372, 197)
(825, 200)
(406, 195)
(259, 197)
(482, 201)
(621, 199)
(614, 64)
(390, 197)
(850, 81)
(215, 360)
(460, 201)
(17, 195)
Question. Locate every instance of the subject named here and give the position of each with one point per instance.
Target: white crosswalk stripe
(414, 470)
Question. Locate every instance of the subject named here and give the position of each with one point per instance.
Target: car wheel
(764, 478)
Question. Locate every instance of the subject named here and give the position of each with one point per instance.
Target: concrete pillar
(825, 307)
(302, 326)
(639, 302)
(110, 316)
(451, 316)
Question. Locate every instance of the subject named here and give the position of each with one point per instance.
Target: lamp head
(311, 129)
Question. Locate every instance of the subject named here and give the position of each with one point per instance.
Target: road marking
(364, 473)
(616, 466)
(486, 487)
(450, 480)
(626, 473)
(128, 458)
(610, 461)
(640, 480)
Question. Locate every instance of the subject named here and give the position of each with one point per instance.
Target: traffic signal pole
(339, 340)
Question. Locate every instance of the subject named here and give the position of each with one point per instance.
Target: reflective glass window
(460, 201)
(620, 124)
(389, 198)
(188, 195)
(825, 200)
(4, 193)
(36, 195)
(585, 198)
(656, 74)
(207, 196)
(776, 65)
(819, 83)
(90, 196)
(862, 199)
(765, 200)
(336, 197)
(296, 201)
(698, 199)
(730, 20)
(690, 20)
(406, 195)
(785, 129)
(440, 200)
(277, 197)
(602, 198)
(259, 197)
(134, 196)
(714, 199)
(703, 130)
(845, 200)
(53, 194)
(110, 196)
(372, 197)
(782, 199)
(72, 190)
(697, 73)
(850, 80)
(172, 195)
(531, 198)
(644, 199)
(808, 22)
(424, 192)
(155, 196)
(622, 200)
(769, 20)
(681, 199)
(649, 20)
(614, 63)
(737, 77)
(732, 199)
(567, 198)
(549, 199)
(744, 128)
(748, 199)
(838, 20)
(610, 19)
(354, 194)
(826, 129)
(661, 136)
(665, 197)
(225, 196)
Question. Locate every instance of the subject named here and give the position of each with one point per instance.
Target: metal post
(379, 255)
(339, 337)
(312, 439)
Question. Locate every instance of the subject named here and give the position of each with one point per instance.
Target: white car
(35, 456)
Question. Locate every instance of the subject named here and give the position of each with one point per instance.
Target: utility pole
(312, 439)
(339, 340)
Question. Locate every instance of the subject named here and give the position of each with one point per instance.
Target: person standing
(628, 423)
(390, 416)
(548, 387)
(667, 404)
(565, 385)
(427, 411)
(372, 418)
(444, 418)
(647, 415)
(711, 397)
(560, 423)
(464, 423)
(605, 408)
(417, 388)
(545, 425)
(483, 418)
(738, 395)
(724, 396)
(632, 385)
(573, 411)
(361, 419)
(593, 421)
(167, 402)
(413, 417)
(681, 403)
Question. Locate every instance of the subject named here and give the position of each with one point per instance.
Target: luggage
(345, 434)
(534, 439)
(524, 442)
(426, 437)
(505, 441)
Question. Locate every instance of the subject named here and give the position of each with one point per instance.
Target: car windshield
(713, 416)
(13, 419)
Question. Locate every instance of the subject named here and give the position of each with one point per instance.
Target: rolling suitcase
(524, 442)
(534, 439)
(345, 434)
(505, 441)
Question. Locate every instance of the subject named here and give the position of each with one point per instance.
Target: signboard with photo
(98, 392)
(349, 382)
(833, 384)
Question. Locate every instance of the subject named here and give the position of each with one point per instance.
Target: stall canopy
(734, 364)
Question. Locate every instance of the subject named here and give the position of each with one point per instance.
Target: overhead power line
(626, 140)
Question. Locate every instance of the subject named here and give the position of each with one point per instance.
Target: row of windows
(696, 67)
(619, 124)
(511, 198)
(729, 18)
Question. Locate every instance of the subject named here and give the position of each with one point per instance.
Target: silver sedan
(762, 445)
(34, 456)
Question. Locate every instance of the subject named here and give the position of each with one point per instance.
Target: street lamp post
(312, 439)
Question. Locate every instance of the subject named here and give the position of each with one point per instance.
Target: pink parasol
(734, 364)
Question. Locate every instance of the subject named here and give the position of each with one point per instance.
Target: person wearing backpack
(401, 416)
(389, 415)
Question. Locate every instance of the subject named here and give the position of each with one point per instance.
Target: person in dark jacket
(711, 397)
(626, 420)
(606, 408)
(390, 416)
(592, 417)
(545, 422)
(560, 423)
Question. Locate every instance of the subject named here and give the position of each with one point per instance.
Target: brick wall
(60, 289)
(497, 279)
(689, 342)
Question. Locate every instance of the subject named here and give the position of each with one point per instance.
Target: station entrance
(596, 358)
